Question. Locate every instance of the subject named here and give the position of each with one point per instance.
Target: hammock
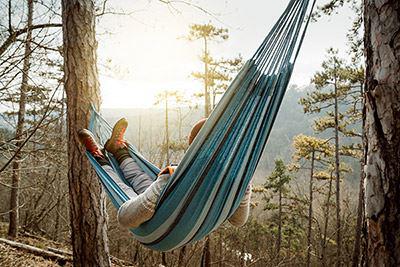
(211, 179)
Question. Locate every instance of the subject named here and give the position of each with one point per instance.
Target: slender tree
(216, 72)
(310, 149)
(278, 181)
(337, 92)
(382, 131)
(16, 168)
(87, 201)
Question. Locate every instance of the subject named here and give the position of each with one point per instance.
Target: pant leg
(138, 179)
(114, 175)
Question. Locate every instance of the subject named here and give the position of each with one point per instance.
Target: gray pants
(139, 180)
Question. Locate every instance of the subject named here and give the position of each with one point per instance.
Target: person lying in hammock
(143, 192)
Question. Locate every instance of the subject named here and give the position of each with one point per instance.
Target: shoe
(117, 141)
(87, 139)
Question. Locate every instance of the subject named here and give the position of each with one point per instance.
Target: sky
(146, 52)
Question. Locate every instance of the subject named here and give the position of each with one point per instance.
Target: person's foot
(117, 140)
(87, 139)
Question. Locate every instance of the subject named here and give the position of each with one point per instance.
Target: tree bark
(279, 240)
(16, 166)
(206, 255)
(360, 219)
(87, 202)
(326, 222)
(207, 108)
(337, 174)
(382, 131)
(166, 130)
(310, 211)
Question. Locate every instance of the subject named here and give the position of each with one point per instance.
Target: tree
(314, 150)
(14, 197)
(216, 72)
(167, 98)
(382, 134)
(87, 202)
(278, 181)
(337, 87)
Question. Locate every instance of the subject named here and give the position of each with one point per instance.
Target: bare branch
(13, 36)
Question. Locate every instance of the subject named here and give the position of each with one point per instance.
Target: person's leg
(137, 178)
(116, 145)
(121, 184)
(88, 140)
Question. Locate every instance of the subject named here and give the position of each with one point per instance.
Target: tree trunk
(310, 211)
(279, 241)
(87, 202)
(360, 219)
(207, 108)
(140, 133)
(16, 168)
(382, 131)
(326, 222)
(181, 257)
(206, 256)
(337, 174)
(166, 130)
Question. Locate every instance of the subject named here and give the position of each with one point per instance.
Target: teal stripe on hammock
(203, 152)
(219, 160)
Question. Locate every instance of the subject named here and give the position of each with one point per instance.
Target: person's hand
(167, 170)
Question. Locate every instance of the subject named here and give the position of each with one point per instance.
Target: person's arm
(241, 214)
(141, 208)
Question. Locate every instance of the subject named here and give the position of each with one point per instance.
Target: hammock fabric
(211, 179)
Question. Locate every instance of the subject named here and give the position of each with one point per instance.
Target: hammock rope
(211, 179)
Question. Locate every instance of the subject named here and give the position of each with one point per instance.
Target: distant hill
(290, 121)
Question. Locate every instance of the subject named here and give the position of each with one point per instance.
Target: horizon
(144, 66)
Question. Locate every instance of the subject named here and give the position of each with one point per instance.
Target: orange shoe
(87, 139)
(117, 140)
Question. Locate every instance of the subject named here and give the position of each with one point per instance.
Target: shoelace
(120, 137)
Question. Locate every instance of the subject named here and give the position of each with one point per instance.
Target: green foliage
(344, 82)
(305, 146)
(278, 178)
(207, 31)
(217, 72)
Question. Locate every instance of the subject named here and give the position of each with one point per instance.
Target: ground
(15, 257)
(10, 256)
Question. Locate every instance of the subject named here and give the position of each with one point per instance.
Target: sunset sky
(149, 49)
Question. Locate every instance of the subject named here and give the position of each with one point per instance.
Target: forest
(288, 170)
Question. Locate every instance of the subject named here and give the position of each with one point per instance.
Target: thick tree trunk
(382, 131)
(16, 168)
(87, 202)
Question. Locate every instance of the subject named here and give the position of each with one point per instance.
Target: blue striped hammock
(211, 179)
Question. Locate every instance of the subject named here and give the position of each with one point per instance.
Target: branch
(13, 36)
(33, 132)
(61, 259)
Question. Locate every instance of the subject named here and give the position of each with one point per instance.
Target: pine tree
(313, 150)
(87, 199)
(338, 90)
(277, 182)
(382, 131)
(217, 72)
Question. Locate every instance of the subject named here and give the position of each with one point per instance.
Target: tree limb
(13, 36)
